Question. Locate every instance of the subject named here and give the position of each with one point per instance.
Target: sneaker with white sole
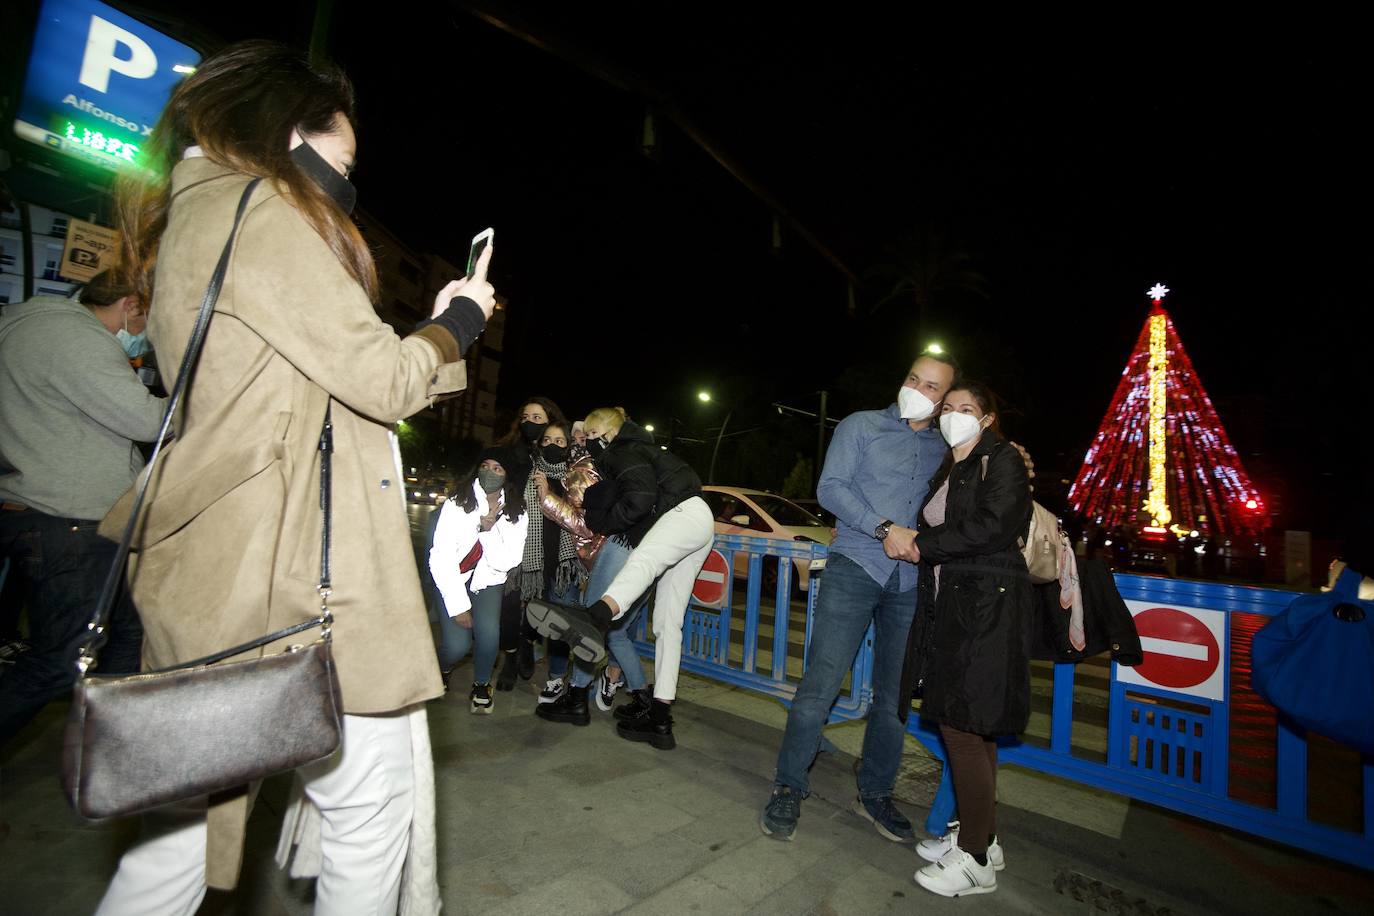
(606, 690)
(957, 874)
(890, 823)
(934, 850)
(480, 698)
(553, 689)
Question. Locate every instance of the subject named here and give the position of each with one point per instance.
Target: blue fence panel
(711, 641)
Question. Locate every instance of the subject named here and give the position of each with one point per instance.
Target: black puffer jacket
(971, 643)
(639, 482)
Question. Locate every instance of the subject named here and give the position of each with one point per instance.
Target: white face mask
(914, 405)
(959, 428)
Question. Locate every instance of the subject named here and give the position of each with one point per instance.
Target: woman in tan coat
(229, 547)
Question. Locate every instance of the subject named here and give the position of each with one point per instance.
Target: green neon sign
(97, 141)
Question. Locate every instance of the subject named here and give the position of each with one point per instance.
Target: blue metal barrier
(710, 637)
(1166, 747)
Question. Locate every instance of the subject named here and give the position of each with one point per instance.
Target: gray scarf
(569, 568)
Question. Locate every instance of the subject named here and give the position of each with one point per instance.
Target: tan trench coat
(229, 547)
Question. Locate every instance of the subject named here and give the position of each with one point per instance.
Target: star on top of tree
(1158, 292)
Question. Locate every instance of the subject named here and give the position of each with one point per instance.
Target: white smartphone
(479, 242)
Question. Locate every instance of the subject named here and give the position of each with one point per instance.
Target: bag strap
(100, 619)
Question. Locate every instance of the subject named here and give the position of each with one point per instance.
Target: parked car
(815, 508)
(738, 510)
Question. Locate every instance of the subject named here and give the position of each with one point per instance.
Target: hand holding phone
(475, 285)
(480, 242)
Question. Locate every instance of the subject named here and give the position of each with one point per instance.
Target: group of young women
(564, 517)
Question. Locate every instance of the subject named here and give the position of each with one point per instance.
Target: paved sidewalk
(537, 818)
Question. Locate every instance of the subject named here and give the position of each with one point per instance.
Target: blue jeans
(849, 600)
(59, 566)
(455, 641)
(609, 562)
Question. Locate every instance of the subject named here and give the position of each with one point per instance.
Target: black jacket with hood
(639, 482)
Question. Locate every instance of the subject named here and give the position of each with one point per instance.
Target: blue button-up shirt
(878, 468)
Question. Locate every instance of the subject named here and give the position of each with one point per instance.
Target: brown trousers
(973, 767)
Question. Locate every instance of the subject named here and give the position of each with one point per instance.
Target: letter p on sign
(102, 42)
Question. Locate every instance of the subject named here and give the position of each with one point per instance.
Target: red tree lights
(1161, 456)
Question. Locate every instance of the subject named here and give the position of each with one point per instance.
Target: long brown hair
(240, 107)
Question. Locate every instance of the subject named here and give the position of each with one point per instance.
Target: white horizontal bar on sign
(1171, 647)
(707, 575)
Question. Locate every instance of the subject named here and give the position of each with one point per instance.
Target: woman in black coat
(968, 650)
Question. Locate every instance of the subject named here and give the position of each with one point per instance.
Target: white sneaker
(956, 874)
(934, 850)
(553, 689)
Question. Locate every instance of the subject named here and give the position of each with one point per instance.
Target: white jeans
(365, 797)
(671, 552)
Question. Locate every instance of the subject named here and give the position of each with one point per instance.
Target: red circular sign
(710, 585)
(1180, 651)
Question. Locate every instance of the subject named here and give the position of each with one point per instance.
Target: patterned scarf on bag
(569, 569)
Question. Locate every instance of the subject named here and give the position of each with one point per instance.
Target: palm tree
(924, 265)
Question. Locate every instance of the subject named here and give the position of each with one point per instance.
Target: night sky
(1075, 163)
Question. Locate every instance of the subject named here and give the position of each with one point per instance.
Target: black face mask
(595, 447)
(556, 454)
(326, 176)
(533, 432)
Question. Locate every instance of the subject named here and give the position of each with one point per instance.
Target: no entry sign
(1184, 649)
(710, 585)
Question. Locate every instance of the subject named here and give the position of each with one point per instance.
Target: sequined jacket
(567, 512)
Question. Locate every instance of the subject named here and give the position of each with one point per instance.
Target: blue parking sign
(97, 82)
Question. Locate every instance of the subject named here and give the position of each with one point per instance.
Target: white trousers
(672, 552)
(365, 797)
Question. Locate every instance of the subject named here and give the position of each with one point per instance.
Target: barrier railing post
(1292, 770)
(1061, 710)
(751, 612)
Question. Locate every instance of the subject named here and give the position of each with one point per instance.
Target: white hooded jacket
(458, 530)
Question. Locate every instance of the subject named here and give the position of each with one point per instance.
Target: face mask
(326, 176)
(959, 428)
(135, 345)
(595, 447)
(533, 432)
(914, 405)
(556, 454)
(490, 480)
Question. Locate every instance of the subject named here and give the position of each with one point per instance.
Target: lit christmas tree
(1161, 453)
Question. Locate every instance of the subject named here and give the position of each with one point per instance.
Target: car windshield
(786, 512)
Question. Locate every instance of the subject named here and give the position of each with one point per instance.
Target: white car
(738, 510)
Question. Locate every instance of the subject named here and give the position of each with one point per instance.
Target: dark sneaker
(525, 659)
(606, 690)
(655, 728)
(554, 688)
(444, 676)
(571, 708)
(882, 814)
(639, 705)
(480, 697)
(505, 680)
(573, 625)
(779, 817)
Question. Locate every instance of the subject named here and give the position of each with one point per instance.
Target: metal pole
(711, 474)
(820, 443)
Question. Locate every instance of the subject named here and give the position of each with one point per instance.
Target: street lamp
(704, 397)
(648, 427)
(936, 349)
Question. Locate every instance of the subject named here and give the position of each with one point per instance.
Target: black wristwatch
(881, 531)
